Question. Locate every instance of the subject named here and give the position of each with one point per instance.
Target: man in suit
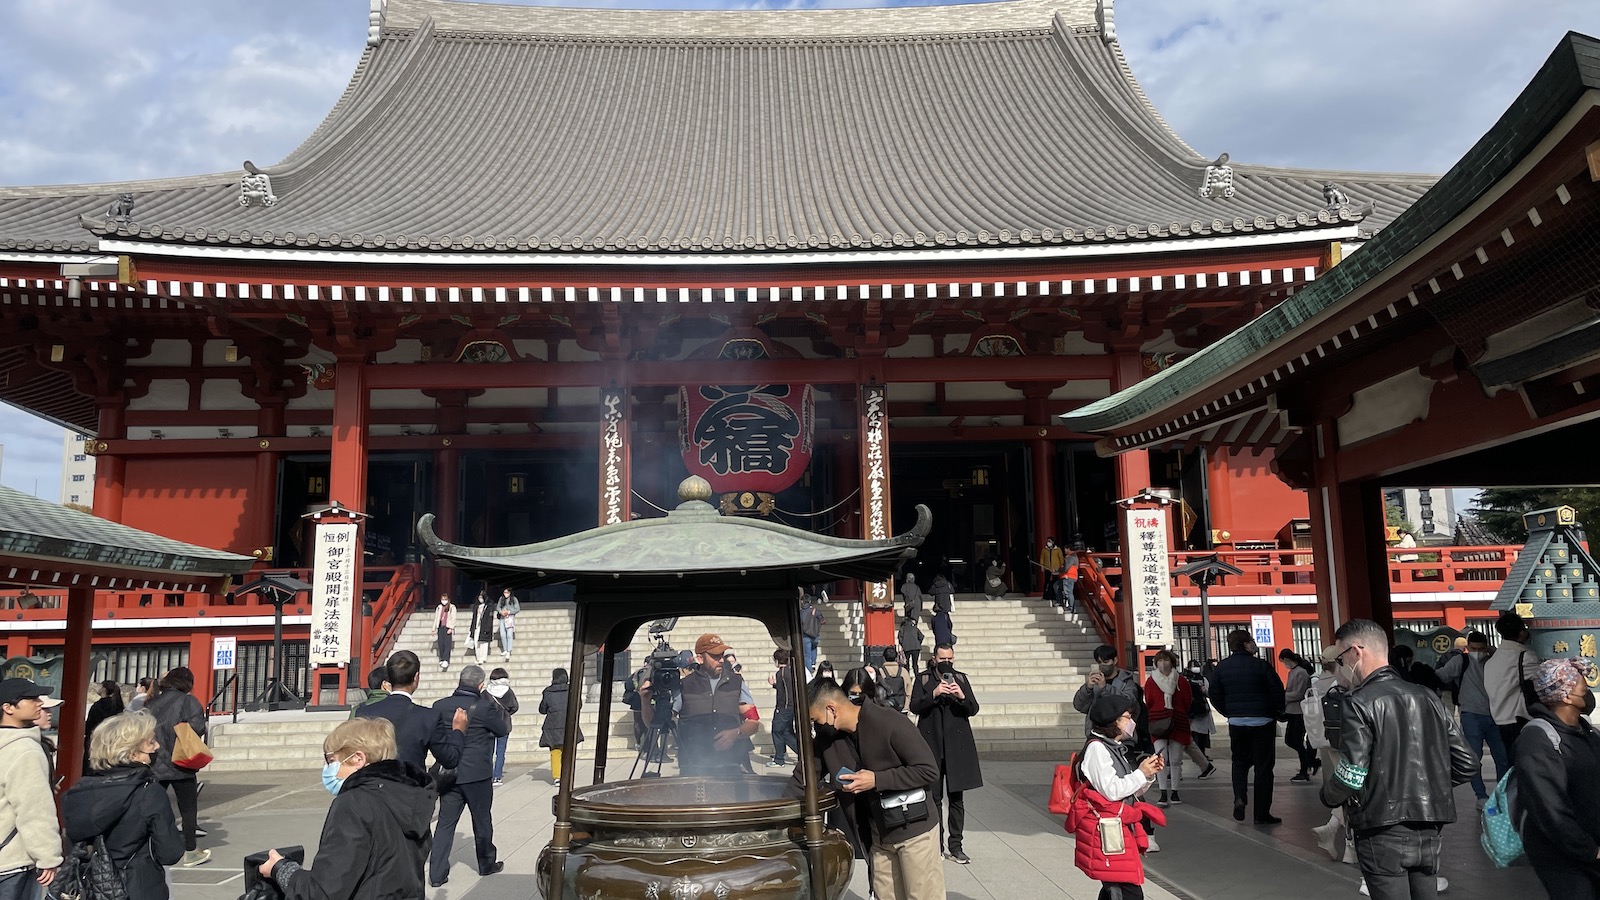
(418, 730)
(473, 789)
(943, 702)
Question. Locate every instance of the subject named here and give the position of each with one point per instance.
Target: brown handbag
(188, 751)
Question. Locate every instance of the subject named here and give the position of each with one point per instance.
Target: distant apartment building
(77, 471)
(1431, 510)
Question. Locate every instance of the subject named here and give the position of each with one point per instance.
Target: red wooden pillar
(616, 481)
(110, 472)
(200, 660)
(347, 483)
(75, 676)
(1347, 532)
(876, 524)
(1044, 500)
(1219, 494)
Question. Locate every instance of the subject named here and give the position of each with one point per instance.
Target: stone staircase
(1025, 660)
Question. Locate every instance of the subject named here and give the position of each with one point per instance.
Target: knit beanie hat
(1556, 678)
(1108, 708)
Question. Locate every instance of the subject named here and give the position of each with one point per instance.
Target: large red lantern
(748, 437)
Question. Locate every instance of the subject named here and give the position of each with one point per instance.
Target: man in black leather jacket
(1400, 756)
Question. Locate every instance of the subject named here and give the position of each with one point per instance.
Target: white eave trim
(56, 258)
(774, 258)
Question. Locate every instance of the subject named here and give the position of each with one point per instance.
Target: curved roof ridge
(1137, 90)
(488, 18)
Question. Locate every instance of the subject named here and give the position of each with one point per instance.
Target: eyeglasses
(1339, 660)
(717, 656)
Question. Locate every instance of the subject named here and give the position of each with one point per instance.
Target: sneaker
(1210, 769)
(1301, 778)
(1443, 885)
(1328, 839)
(556, 783)
(1268, 820)
(194, 858)
(443, 664)
(1163, 801)
(777, 764)
(1154, 847)
(1238, 810)
(1176, 799)
(498, 867)
(959, 857)
(499, 781)
(201, 832)
(1364, 891)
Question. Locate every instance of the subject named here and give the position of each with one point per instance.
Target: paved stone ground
(1019, 852)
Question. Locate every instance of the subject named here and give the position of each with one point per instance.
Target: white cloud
(32, 459)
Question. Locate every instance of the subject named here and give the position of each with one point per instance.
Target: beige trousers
(908, 870)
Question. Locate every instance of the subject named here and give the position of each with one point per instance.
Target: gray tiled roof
(1572, 69)
(481, 127)
(43, 531)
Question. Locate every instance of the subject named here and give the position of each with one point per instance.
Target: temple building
(537, 265)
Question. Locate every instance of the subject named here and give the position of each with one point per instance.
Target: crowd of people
(1384, 737)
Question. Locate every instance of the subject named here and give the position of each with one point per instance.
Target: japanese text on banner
(1149, 583)
(333, 593)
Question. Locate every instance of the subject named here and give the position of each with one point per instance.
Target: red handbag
(1062, 793)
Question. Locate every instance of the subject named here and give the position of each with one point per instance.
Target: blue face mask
(331, 779)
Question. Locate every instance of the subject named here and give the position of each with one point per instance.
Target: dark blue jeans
(1400, 862)
(811, 644)
(1479, 729)
(22, 885)
(784, 737)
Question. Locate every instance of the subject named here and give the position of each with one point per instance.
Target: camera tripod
(653, 745)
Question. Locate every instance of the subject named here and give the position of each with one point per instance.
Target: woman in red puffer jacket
(1107, 787)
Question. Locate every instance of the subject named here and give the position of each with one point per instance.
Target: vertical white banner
(1148, 582)
(333, 593)
(612, 457)
(875, 481)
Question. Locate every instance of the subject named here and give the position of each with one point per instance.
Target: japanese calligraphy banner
(875, 481)
(1148, 583)
(333, 593)
(749, 437)
(614, 487)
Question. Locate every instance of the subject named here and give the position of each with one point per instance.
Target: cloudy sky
(106, 90)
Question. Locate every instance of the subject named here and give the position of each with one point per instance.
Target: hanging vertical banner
(875, 481)
(1148, 576)
(333, 593)
(747, 437)
(614, 488)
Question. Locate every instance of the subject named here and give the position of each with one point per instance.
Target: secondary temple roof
(477, 127)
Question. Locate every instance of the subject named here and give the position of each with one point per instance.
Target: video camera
(662, 664)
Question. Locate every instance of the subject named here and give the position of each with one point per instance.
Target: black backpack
(811, 619)
(1333, 713)
(88, 873)
(894, 690)
(1197, 691)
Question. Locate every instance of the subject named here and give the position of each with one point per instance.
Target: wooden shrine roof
(476, 128)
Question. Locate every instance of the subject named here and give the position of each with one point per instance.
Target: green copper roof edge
(1571, 69)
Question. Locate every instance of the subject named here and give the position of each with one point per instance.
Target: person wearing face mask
(120, 801)
(944, 704)
(1201, 725)
(1106, 677)
(1558, 781)
(871, 753)
(1167, 696)
(1322, 731)
(375, 839)
(1400, 756)
(1464, 668)
(1108, 811)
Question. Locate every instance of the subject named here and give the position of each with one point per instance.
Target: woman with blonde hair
(375, 839)
(120, 802)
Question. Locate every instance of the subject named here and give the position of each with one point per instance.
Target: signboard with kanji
(333, 593)
(747, 437)
(1149, 580)
(1261, 630)
(224, 652)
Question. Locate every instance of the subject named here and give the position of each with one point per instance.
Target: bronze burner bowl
(695, 838)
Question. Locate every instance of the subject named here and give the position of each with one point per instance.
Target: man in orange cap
(716, 714)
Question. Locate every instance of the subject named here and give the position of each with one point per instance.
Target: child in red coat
(1107, 809)
(1168, 697)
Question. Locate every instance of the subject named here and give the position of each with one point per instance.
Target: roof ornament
(375, 22)
(1218, 183)
(256, 187)
(121, 209)
(1103, 18)
(1333, 197)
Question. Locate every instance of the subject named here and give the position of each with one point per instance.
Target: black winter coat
(374, 841)
(125, 806)
(485, 722)
(1559, 790)
(554, 707)
(1246, 686)
(170, 708)
(946, 725)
